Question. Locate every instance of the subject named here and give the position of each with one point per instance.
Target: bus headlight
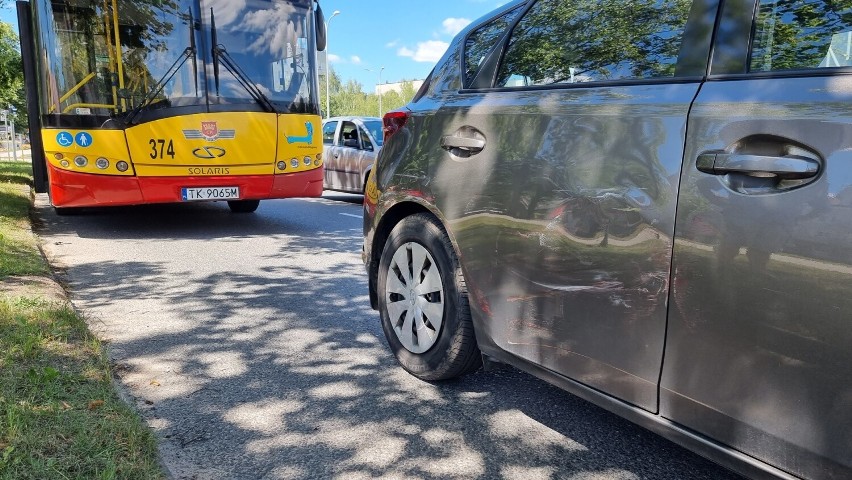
(294, 163)
(282, 165)
(81, 161)
(102, 163)
(65, 164)
(307, 161)
(122, 166)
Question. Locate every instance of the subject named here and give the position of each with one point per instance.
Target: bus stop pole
(4, 113)
(14, 146)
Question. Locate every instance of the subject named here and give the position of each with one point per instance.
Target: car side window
(559, 42)
(349, 135)
(366, 144)
(328, 133)
(801, 35)
(482, 40)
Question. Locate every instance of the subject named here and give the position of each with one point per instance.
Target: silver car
(646, 203)
(350, 146)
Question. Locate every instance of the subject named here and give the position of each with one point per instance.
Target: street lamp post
(327, 66)
(378, 90)
(3, 116)
(13, 111)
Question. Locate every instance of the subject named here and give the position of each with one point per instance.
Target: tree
(395, 100)
(11, 74)
(349, 98)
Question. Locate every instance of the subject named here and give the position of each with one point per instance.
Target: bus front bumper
(71, 189)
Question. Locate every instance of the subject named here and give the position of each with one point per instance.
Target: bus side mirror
(319, 21)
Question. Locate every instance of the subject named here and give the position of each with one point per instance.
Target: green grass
(60, 416)
(19, 253)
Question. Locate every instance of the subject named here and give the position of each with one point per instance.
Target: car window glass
(349, 135)
(802, 35)
(482, 40)
(365, 140)
(560, 42)
(446, 76)
(328, 133)
(375, 128)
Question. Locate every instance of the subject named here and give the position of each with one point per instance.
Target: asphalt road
(248, 344)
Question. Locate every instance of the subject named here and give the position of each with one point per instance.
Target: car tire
(243, 206)
(423, 302)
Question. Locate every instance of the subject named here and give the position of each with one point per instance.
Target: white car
(350, 146)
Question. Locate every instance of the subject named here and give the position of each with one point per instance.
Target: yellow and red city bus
(153, 101)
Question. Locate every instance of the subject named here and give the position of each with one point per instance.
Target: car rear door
(759, 346)
(347, 157)
(568, 164)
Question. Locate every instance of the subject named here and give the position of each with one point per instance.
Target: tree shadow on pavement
(283, 372)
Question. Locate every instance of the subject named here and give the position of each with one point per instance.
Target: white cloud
(332, 58)
(392, 44)
(453, 26)
(429, 51)
(355, 59)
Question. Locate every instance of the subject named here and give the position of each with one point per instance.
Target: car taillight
(393, 121)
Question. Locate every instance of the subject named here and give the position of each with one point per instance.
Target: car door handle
(788, 167)
(466, 144)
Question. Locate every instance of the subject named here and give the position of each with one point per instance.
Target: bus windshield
(102, 59)
(269, 41)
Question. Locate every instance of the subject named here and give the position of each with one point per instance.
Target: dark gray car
(648, 203)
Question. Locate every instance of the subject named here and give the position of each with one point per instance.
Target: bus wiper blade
(192, 46)
(244, 79)
(188, 52)
(215, 41)
(219, 53)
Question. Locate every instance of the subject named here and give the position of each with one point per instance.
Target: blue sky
(406, 37)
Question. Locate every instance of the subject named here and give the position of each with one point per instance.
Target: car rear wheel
(423, 302)
(243, 206)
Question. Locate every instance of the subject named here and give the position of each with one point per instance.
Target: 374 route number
(161, 147)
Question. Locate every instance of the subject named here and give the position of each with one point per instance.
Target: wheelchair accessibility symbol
(64, 139)
(83, 139)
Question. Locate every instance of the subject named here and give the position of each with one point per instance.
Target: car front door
(329, 140)
(346, 157)
(583, 150)
(758, 352)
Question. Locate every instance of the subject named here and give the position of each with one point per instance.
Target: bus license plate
(192, 194)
